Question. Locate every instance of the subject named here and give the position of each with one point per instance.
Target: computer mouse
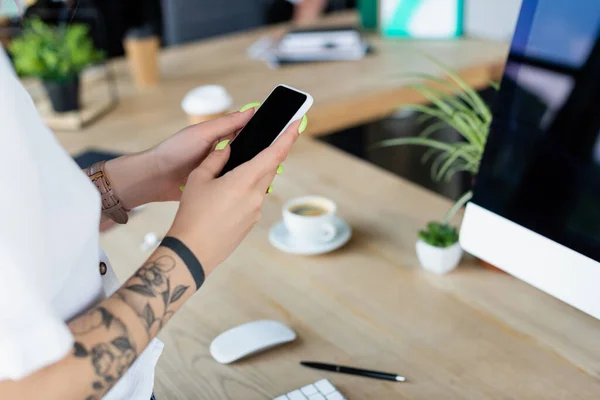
(250, 338)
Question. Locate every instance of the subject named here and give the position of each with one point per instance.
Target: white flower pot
(437, 259)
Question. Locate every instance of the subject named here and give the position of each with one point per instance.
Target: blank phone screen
(264, 127)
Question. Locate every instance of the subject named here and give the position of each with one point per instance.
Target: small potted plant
(438, 249)
(56, 55)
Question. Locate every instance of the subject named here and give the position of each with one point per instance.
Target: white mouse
(249, 338)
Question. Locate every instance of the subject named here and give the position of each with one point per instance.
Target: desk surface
(346, 93)
(472, 334)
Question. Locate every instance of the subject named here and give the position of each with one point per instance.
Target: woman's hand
(179, 155)
(157, 174)
(215, 214)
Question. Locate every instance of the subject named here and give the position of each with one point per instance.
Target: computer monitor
(535, 211)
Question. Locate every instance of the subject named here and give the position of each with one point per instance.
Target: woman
(67, 330)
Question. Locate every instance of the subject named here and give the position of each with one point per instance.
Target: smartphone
(284, 106)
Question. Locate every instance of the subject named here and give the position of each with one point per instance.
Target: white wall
(491, 19)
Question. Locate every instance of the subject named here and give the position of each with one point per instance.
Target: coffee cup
(205, 103)
(310, 219)
(141, 48)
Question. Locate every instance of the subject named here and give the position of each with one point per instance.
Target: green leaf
(432, 128)
(458, 167)
(449, 85)
(437, 162)
(460, 203)
(451, 101)
(414, 141)
(439, 234)
(428, 154)
(495, 85)
(53, 52)
(460, 152)
(423, 118)
(478, 128)
(480, 105)
(458, 124)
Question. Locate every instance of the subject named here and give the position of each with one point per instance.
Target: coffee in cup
(308, 210)
(205, 103)
(310, 219)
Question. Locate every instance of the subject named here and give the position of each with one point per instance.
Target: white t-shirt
(49, 249)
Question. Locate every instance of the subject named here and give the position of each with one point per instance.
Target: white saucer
(281, 239)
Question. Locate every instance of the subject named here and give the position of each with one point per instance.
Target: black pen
(354, 371)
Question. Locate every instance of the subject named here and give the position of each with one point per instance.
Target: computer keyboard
(320, 390)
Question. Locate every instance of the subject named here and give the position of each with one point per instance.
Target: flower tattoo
(152, 281)
(104, 341)
(109, 359)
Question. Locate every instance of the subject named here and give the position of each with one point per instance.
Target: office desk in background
(470, 335)
(346, 93)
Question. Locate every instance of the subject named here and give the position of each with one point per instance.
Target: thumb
(212, 165)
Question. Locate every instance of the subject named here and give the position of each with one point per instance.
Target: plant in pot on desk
(438, 249)
(456, 104)
(56, 55)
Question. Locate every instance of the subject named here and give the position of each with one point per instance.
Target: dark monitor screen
(541, 167)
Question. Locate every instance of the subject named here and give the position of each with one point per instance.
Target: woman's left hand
(179, 155)
(158, 173)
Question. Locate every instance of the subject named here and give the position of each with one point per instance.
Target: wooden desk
(472, 334)
(346, 93)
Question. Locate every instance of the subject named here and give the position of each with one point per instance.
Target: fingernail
(249, 106)
(182, 188)
(303, 124)
(222, 144)
(280, 170)
(270, 189)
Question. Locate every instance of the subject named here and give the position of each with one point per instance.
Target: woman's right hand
(216, 214)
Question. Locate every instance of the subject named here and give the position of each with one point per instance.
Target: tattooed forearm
(109, 336)
(111, 357)
(151, 293)
(106, 340)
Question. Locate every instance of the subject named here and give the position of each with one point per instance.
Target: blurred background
(175, 23)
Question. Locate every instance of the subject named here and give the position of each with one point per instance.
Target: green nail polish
(303, 124)
(249, 106)
(280, 170)
(222, 144)
(270, 189)
(182, 188)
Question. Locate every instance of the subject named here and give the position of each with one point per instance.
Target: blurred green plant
(53, 53)
(439, 235)
(453, 103)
